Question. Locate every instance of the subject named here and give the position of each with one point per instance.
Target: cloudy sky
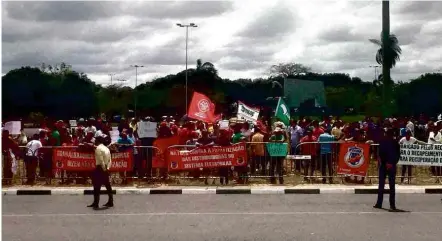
(242, 38)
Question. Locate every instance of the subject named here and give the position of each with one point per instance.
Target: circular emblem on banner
(173, 165)
(354, 157)
(59, 164)
(203, 105)
(240, 161)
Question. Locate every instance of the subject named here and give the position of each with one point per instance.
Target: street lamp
(375, 70)
(136, 83)
(111, 75)
(187, 26)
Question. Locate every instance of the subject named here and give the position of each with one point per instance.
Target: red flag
(201, 108)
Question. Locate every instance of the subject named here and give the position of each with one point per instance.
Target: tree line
(60, 92)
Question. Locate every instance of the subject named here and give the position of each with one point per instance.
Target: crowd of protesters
(304, 137)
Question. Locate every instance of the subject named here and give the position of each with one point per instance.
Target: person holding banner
(101, 173)
(389, 155)
(277, 162)
(408, 139)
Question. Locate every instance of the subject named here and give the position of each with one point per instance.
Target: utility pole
(111, 75)
(375, 70)
(187, 26)
(386, 79)
(136, 84)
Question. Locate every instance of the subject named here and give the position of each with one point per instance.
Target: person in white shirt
(31, 158)
(90, 127)
(408, 140)
(100, 175)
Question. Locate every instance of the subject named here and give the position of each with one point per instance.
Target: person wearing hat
(101, 173)
(277, 162)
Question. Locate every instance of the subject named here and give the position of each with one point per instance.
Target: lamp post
(111, 75)
(187, 26)
(375, 70)
(136, 83)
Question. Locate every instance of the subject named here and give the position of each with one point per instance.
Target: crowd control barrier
(242, 163)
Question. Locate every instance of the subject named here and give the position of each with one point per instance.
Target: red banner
(354, 158)
(207, 157)
(160, 148)
(69, 159)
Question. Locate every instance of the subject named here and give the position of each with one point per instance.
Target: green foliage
(60, 92)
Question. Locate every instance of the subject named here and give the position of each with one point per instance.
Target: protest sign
(247, 113)
(147, 129)
(207, 157)
(277, 149)
(13, 127)
(421, 155)
(224, 125)
(354, 159)
(73, 123)
(69, 159)
(160, 150)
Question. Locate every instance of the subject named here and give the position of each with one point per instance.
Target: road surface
(222, 217)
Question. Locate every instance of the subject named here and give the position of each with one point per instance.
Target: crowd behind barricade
(318, 139)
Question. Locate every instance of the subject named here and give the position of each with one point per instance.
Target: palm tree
(207, 66)
(387, 55)
(392, 51)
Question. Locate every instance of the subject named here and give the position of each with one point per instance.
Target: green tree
(207, 66)
(288, 69)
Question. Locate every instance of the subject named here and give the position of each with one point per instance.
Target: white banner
(421, 155)
(147, 129)
(247, 113)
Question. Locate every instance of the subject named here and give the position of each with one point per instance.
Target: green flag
(283, 112)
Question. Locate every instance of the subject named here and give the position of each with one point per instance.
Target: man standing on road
(101, 173)
(389, 154)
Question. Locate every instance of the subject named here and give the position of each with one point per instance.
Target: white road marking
(203, 214)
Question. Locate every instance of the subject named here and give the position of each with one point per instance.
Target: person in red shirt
(309, 149)
(223, 139)
(317, 130)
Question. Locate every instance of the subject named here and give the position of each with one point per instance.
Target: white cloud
(242, 38)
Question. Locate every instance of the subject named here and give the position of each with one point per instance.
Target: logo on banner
(59, 164)
(240, 160)
(173, 165)
(354, 157)
(203, 107)
(284, 110)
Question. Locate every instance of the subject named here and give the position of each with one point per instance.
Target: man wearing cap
(101, 173)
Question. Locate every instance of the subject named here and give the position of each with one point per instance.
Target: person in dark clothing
(389, 155)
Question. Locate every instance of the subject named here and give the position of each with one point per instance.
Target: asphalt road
(221, 217)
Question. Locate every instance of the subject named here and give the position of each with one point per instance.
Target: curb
(278, 190)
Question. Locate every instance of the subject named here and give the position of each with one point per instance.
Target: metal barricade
(317, 167)
(261, 168)
(13, 166)
(37, 167)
